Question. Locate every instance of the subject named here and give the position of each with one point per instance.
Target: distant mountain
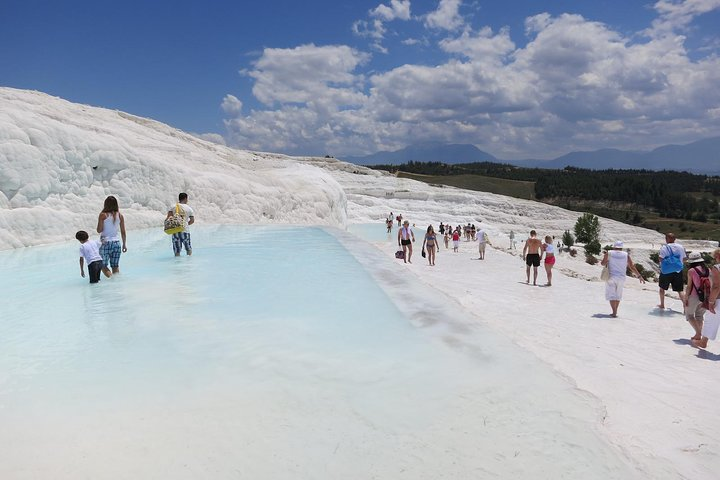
(426, 152)
(702, 156)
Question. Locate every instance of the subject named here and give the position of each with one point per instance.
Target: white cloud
(374, 29)
(398, 9)
(676, 15)
(446, 17)
(231, 105)
(482, 46)
(576, 84)
(308, 73)
(211, 137)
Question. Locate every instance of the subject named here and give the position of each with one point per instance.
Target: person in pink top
(694, 309)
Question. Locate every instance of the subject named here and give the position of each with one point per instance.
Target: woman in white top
(111, 227)
(549, 250)
(618, 262)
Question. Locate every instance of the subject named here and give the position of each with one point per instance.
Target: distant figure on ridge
(111, 227)
(456, 239)
(549, 250)
(512, 240)
(672, 256)
(447, 238)
(405, 239)
(90, 252)
(182, 238)
(389, 224)
(531, 255)
(618, 262)
(430, 245)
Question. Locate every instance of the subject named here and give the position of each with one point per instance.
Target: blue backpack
(671, 264)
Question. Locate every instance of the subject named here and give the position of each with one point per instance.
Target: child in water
(90, 252)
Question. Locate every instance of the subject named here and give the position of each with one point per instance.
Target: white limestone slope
(59, 160)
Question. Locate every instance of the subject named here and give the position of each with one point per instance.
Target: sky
(518, 78)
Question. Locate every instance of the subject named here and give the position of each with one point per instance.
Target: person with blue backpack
(672, 258)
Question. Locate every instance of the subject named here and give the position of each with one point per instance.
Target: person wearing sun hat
(618, 262)
(694, 310)
(711, 320)
(405, 239)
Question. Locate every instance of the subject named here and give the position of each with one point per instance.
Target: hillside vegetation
(663, 201)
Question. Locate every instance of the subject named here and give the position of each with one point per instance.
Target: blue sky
(519, 79)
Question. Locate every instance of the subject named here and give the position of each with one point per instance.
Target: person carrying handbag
(182, 239)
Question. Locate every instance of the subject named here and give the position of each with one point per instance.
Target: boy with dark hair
(90, 252)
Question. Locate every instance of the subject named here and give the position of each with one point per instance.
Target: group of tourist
(103, 255)
(700, 296)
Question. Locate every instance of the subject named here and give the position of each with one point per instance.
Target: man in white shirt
(182, 238)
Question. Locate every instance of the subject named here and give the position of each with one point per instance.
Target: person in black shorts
(672, 257)
(531, 255)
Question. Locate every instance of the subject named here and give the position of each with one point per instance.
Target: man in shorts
(672, 257)
(531, 255)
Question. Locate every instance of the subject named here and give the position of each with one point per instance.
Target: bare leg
(535, 273)
(697, 326)
(409, 252)
(548, 271)
(405, 256)
(614, 304)
(106, 271)
(662, 299)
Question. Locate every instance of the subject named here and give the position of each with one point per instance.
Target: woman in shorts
(111, 227)
(549, 250)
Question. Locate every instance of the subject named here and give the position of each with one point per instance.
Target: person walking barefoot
(618, 262)
(711, 321)
(549, 250)
(405, 239)
(672, 256)
(430, 245)
(456, 239)
(531, 255)
(111, 227)
(694, 309)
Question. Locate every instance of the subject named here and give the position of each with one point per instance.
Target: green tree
(587, 228)
(567, 239)
(593, 247)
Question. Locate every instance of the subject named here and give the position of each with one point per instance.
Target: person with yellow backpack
(181, 216)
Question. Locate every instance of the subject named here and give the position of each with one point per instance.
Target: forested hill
(668, 193)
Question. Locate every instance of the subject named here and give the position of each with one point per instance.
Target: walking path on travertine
(659, 392)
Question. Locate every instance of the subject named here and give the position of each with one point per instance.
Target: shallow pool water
(272, 352)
